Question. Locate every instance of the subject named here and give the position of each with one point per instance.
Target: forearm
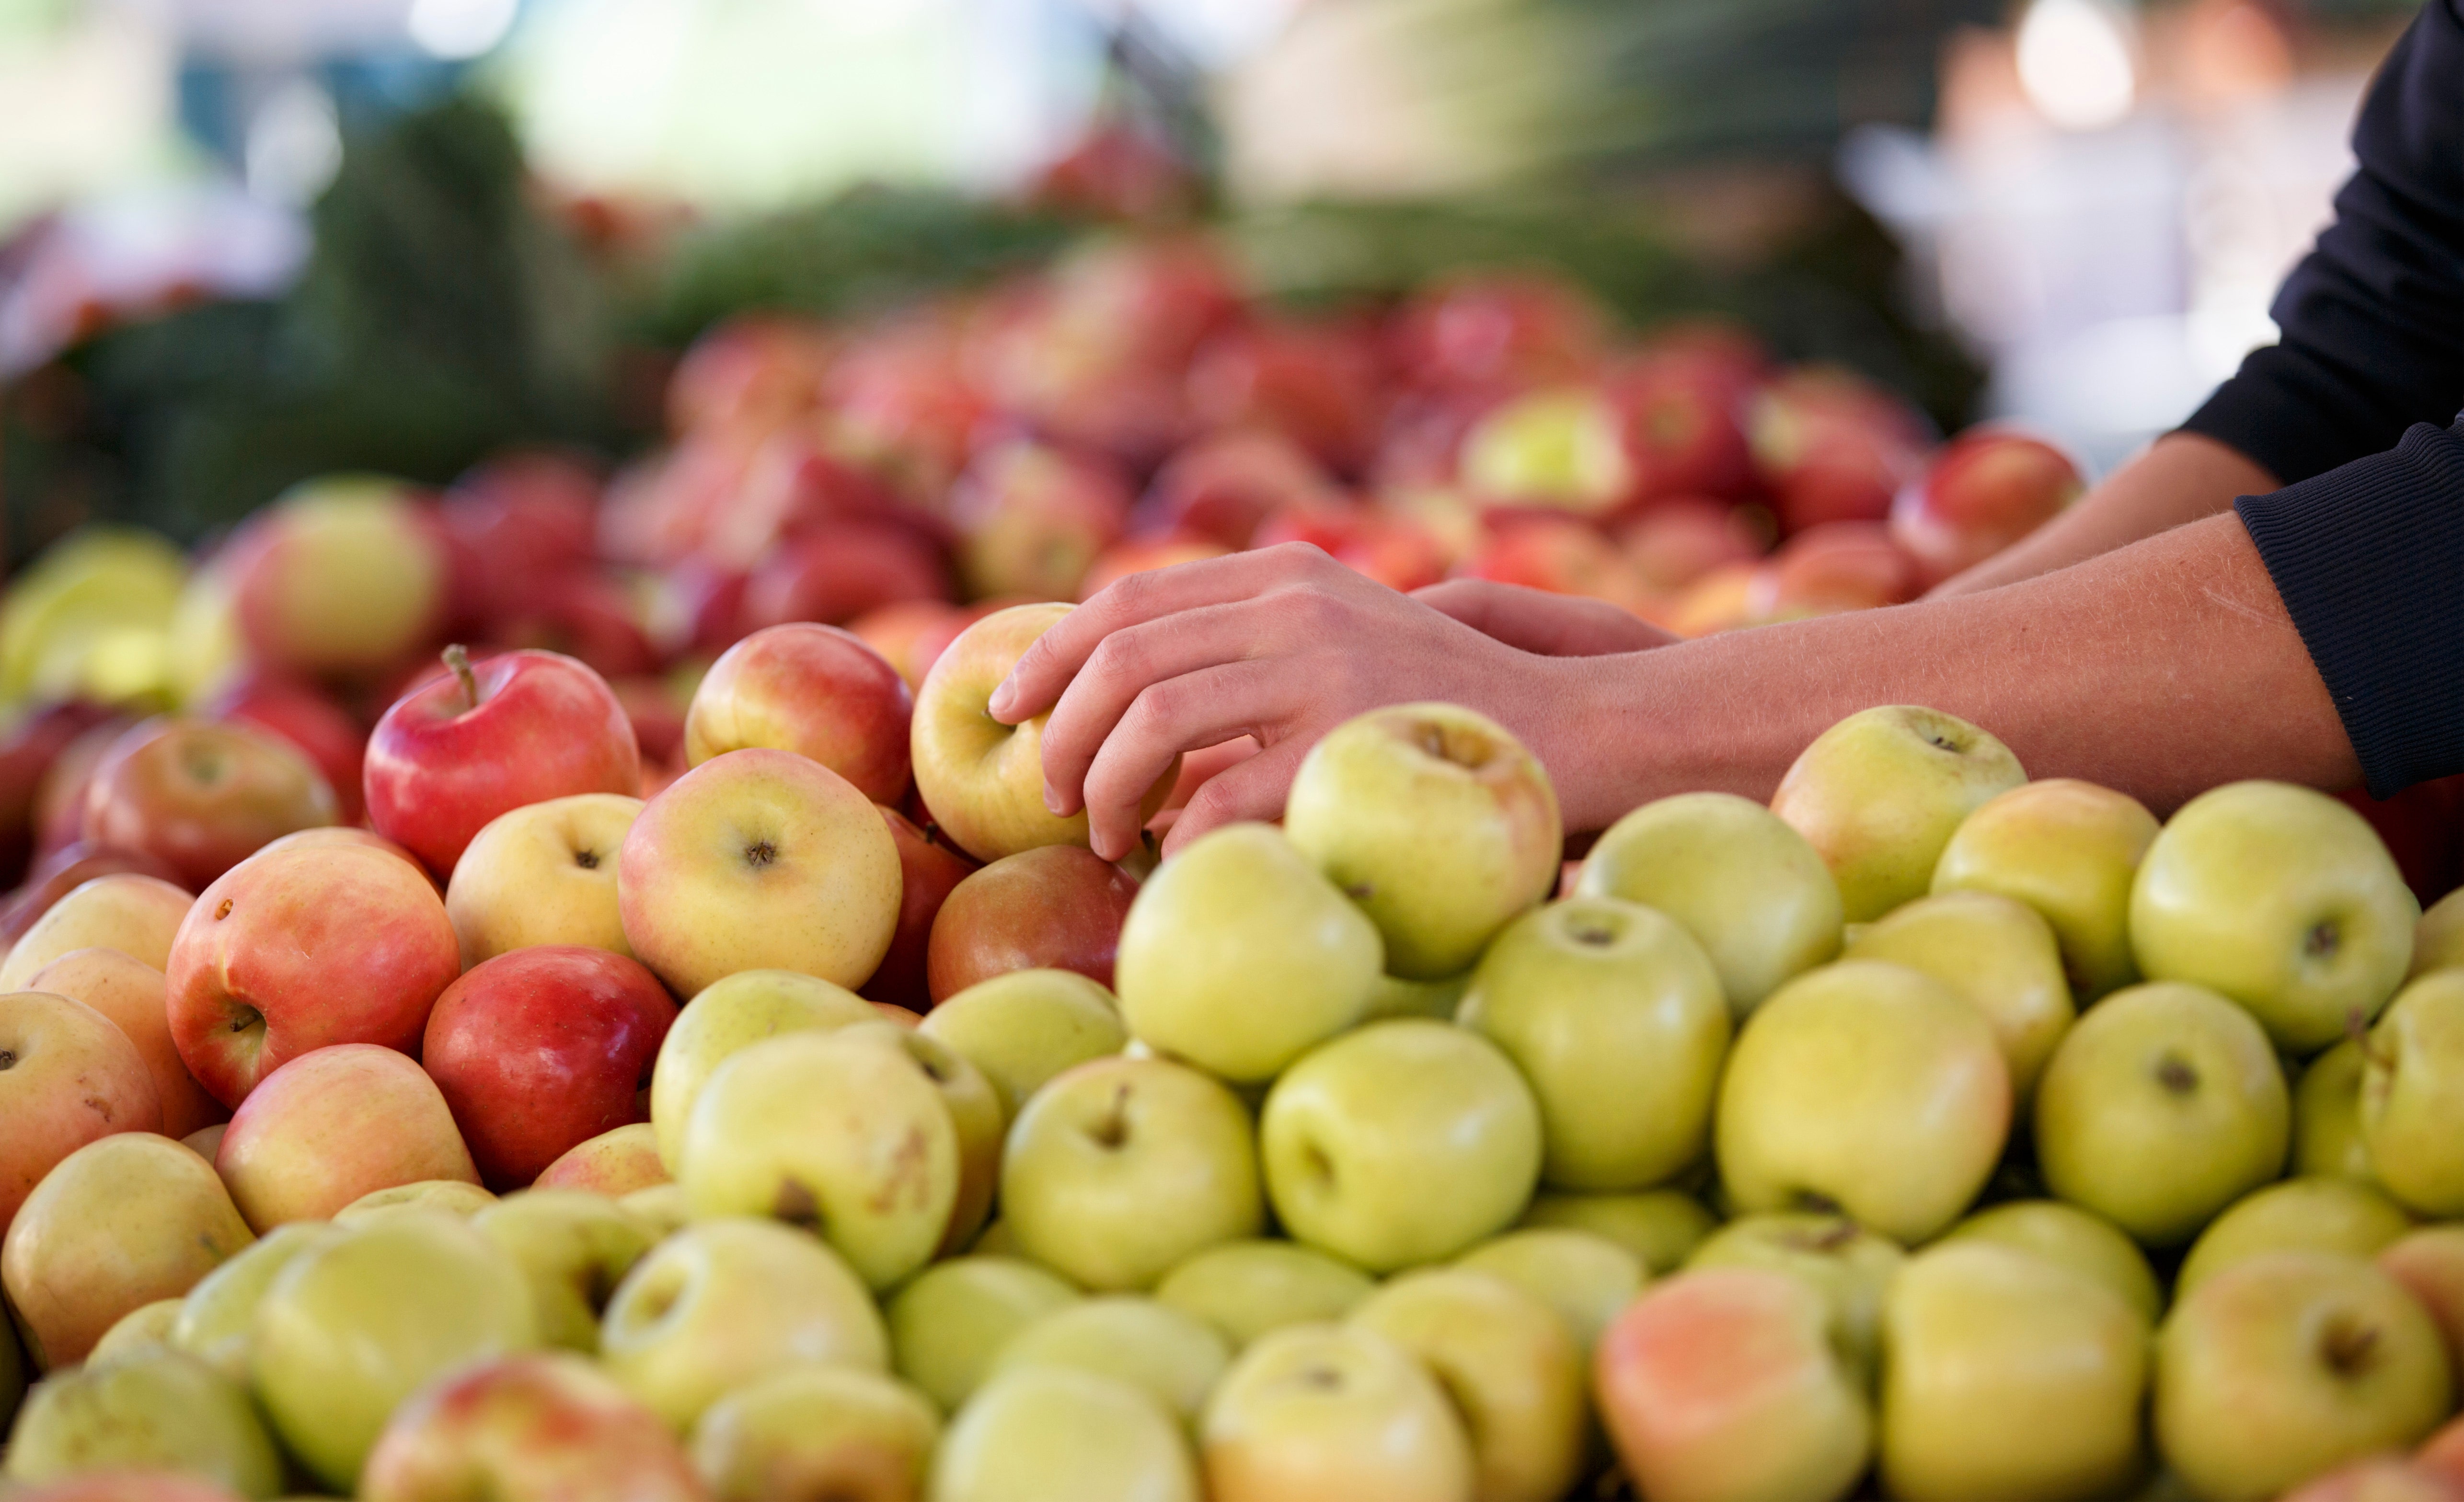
(2181, 478)
(2161, 670)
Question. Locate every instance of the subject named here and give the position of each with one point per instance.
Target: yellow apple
(947, 1325)
(1244, 1289)
(154, 1409)
(2070, 850)
(727, 1017)
(1508, 1362)
(136, 915)
(575, 1247)
(1996, 953)
(1588, 1280)
(1024, 1027)
(1660, 1227)
(451, 1196)
(2327, 1115)
(2319, 1215)
(1174, 1357)
(544, 873)
(1852, 1267)
(810, 1433)
(2438, 939)
(2068, 1236)
(146, 1325)
(218, 1316)
(339, 575)
(1056, 1432)
(1333, 1413)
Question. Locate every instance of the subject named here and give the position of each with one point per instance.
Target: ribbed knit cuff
(2369, 560)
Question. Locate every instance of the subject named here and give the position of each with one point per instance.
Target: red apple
(1831, 447)
(657, 711)
(584, 614)
(928, 872)
(301, 949)
(1057, 907)
(62, 872)
(60, 797)
(542, 1049)
(1033, 519)
(1398, 554)
(912, 634)
(816, 690)
(536, 1426)
(901, 399)
(1560, 554)
(1222, 487)
(1315, 383)
(1986, 490)
(1679, 540)
(707, 599)
(72, 1077)
(201, 796)
(1684, 420)
(839, 572)
(31, 744)
(757, 372)
(1144, 557)
(313, 724)
(1832, 567)
(517, 519)
(465, 747)
(1489, 333)
(332, 1126)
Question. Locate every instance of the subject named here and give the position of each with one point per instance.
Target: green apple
(728, 1016)
(1333, 1413)
(2162, 1106)
(218, 1317)
(1868, 1088)
(1357, 1136)
(1397, 998)
(1660, 1227)
(834, 1132)
(2281, 898)
(1059, 1433)
(1436, 820)
(810, 1433)
(1726, 1385)
(2327, 1115)
(361, 1319)
(2315, 1214)
(2438, 939)
(976, 1115)
(1174, 1357)
(2068, 1236)
(538, 1424)
(2429, 1262)
(1588, 1280)
(1238, 956)
(147, 1324)
(445, 1196)
(575, 1247)
(1121, 1167)
(1851, 1267)
(1509, 1363)
(1997, 954)
(2069, 850)
(1614, 1016)
(725, 1301)
(948, 1325)
(662, 1205)
(1880, 794)
(1023, 1028)
(2008, 1376)
(1244, 1289)
(122, 1221)
(2412, 1095)
(1746, 885)
(156, 1409)
(2290, 1362)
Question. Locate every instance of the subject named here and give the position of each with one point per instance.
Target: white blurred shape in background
(456, 30)
(2075, 62)
(294, 144)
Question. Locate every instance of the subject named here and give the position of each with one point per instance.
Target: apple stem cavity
(761, 853)
(2176, 1076)
(8, 1059)
(2347, 1347)
(1111, 1131)
(457, 659)
(2323, 941)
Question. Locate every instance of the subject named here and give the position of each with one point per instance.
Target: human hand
(1536, 621)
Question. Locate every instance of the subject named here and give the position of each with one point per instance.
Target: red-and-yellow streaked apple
(333, 1126)
(72, 1077)
(817, 690)
(613, 1163)
(529, 1424)
(132, 993)
(544, 873)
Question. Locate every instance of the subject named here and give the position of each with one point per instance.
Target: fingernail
(1000, 702)
(1052, 798)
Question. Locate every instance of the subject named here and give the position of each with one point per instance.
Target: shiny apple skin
(929, 870)
(817, 690)
(202, 796)
(1056, 907)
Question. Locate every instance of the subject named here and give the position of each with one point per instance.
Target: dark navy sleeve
(2372, 319)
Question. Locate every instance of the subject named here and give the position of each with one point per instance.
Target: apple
(2412, 1095)
(1023, 1028)
(1746, 885)
(614, 1164)
(60, 795)
(1509, 1363)
(1396, 997)
(2380, 1478)
(1559, 447)
(1679, 541)
(125, 1220)
(33, 742)
(130, 992)
(339, 575)
(1981, 492)
(1055, 1431)
(816, 690)
(148, 1324)
(976, 1114)
(1353, 1135)
(728, 1016)
(2281, 898)
(1173, 1357)
(218, 1317)
(1830, 567)
(841, 571)
(1614, 1016)
(1660, 1227)
(63, 871)
(253, 969)
(1586, 1278)
(1868, 1087)
(542, 1049)
(759, 859)
(1120, 1168)
(487, 737)
(813, 1432)
(127, 1485)
(1057, 907)
(2288, 1363)
(460, 1198)
(1240, 957)
(544, 873)
(67, 1077)
(929, 870)
(662, 1205)
(1333, 1413)
(1724, 1385)
(953, 1319)
(1244, 1289)
(202, 795)
(332, 1126)
(2064, 1234)
(315, 727)
(1314, 383)
(1852, 1267)
(2438, 939)
(2005, 1375)
(359, 1321)
(912, 634)
(2319, 1215)
(1879, 794)
(532, 1425)
(2327, 1115)
(136, 915)
(726, 1301)
(2070, 850)
(841, 1133)
(1831, 446)
(2429, 1261)
(2162, 1106)
(1399, 550)
(1999, 955)
(149, 1409)
(984, 780)
(1033, 519)
(1144, 555)
(331, 834)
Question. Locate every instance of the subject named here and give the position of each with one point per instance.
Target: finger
(1178, 714)
(1469, 600)
(1537, 621)
(1254, 790)
(1035, 684)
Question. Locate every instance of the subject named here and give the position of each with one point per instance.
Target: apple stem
(458, 658)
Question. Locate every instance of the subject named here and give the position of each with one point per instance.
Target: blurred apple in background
(912, 634)
(527, 1426)
(613, 1163)
(592, 617)
(341, 575)
(202, 795)
(1220, 487)
(1832, 567)
(1033, 519)
(333, 1126)
(518, 517)
(1137, 555)
(1831, 447)
(1681, 405)
(1681, 539)
(130, 992)
(842, 572)
(1477, 333)
(752, 371)
(59, 796)
(816, 690)
(1057, 907)
(1560, 555)
(138, 915)
(315, 726)
(62, 872)
(1560, 449)
(74, 1078)
(1396, 551)
(28, 749)
(1316, 383)
(1983, 491)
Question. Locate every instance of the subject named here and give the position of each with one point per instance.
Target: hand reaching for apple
(1281, 645)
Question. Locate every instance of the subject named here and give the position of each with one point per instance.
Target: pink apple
(1033, 519)
(841, 571)
(1316, 383)
(1560, 554)
(313, 724)
(1057, 907)
(26, 750)
(1395, 552)
(1486, 333)
(1683, 410)
(586, 615)
(535, 1425)
(70, 1079)
(929, 870)
(912, 634)
(518, 518)
(492, 736)
(1684, 538)
(813, 690)
(59, 795)
(1833, 447)
(1219, 488)
(1987, 489)
(301, 949)
(202, 796)
(334, 1124)
(62, 872)
(613, 1163)
(1832, 567)
(757, 372)
(1144, 555)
